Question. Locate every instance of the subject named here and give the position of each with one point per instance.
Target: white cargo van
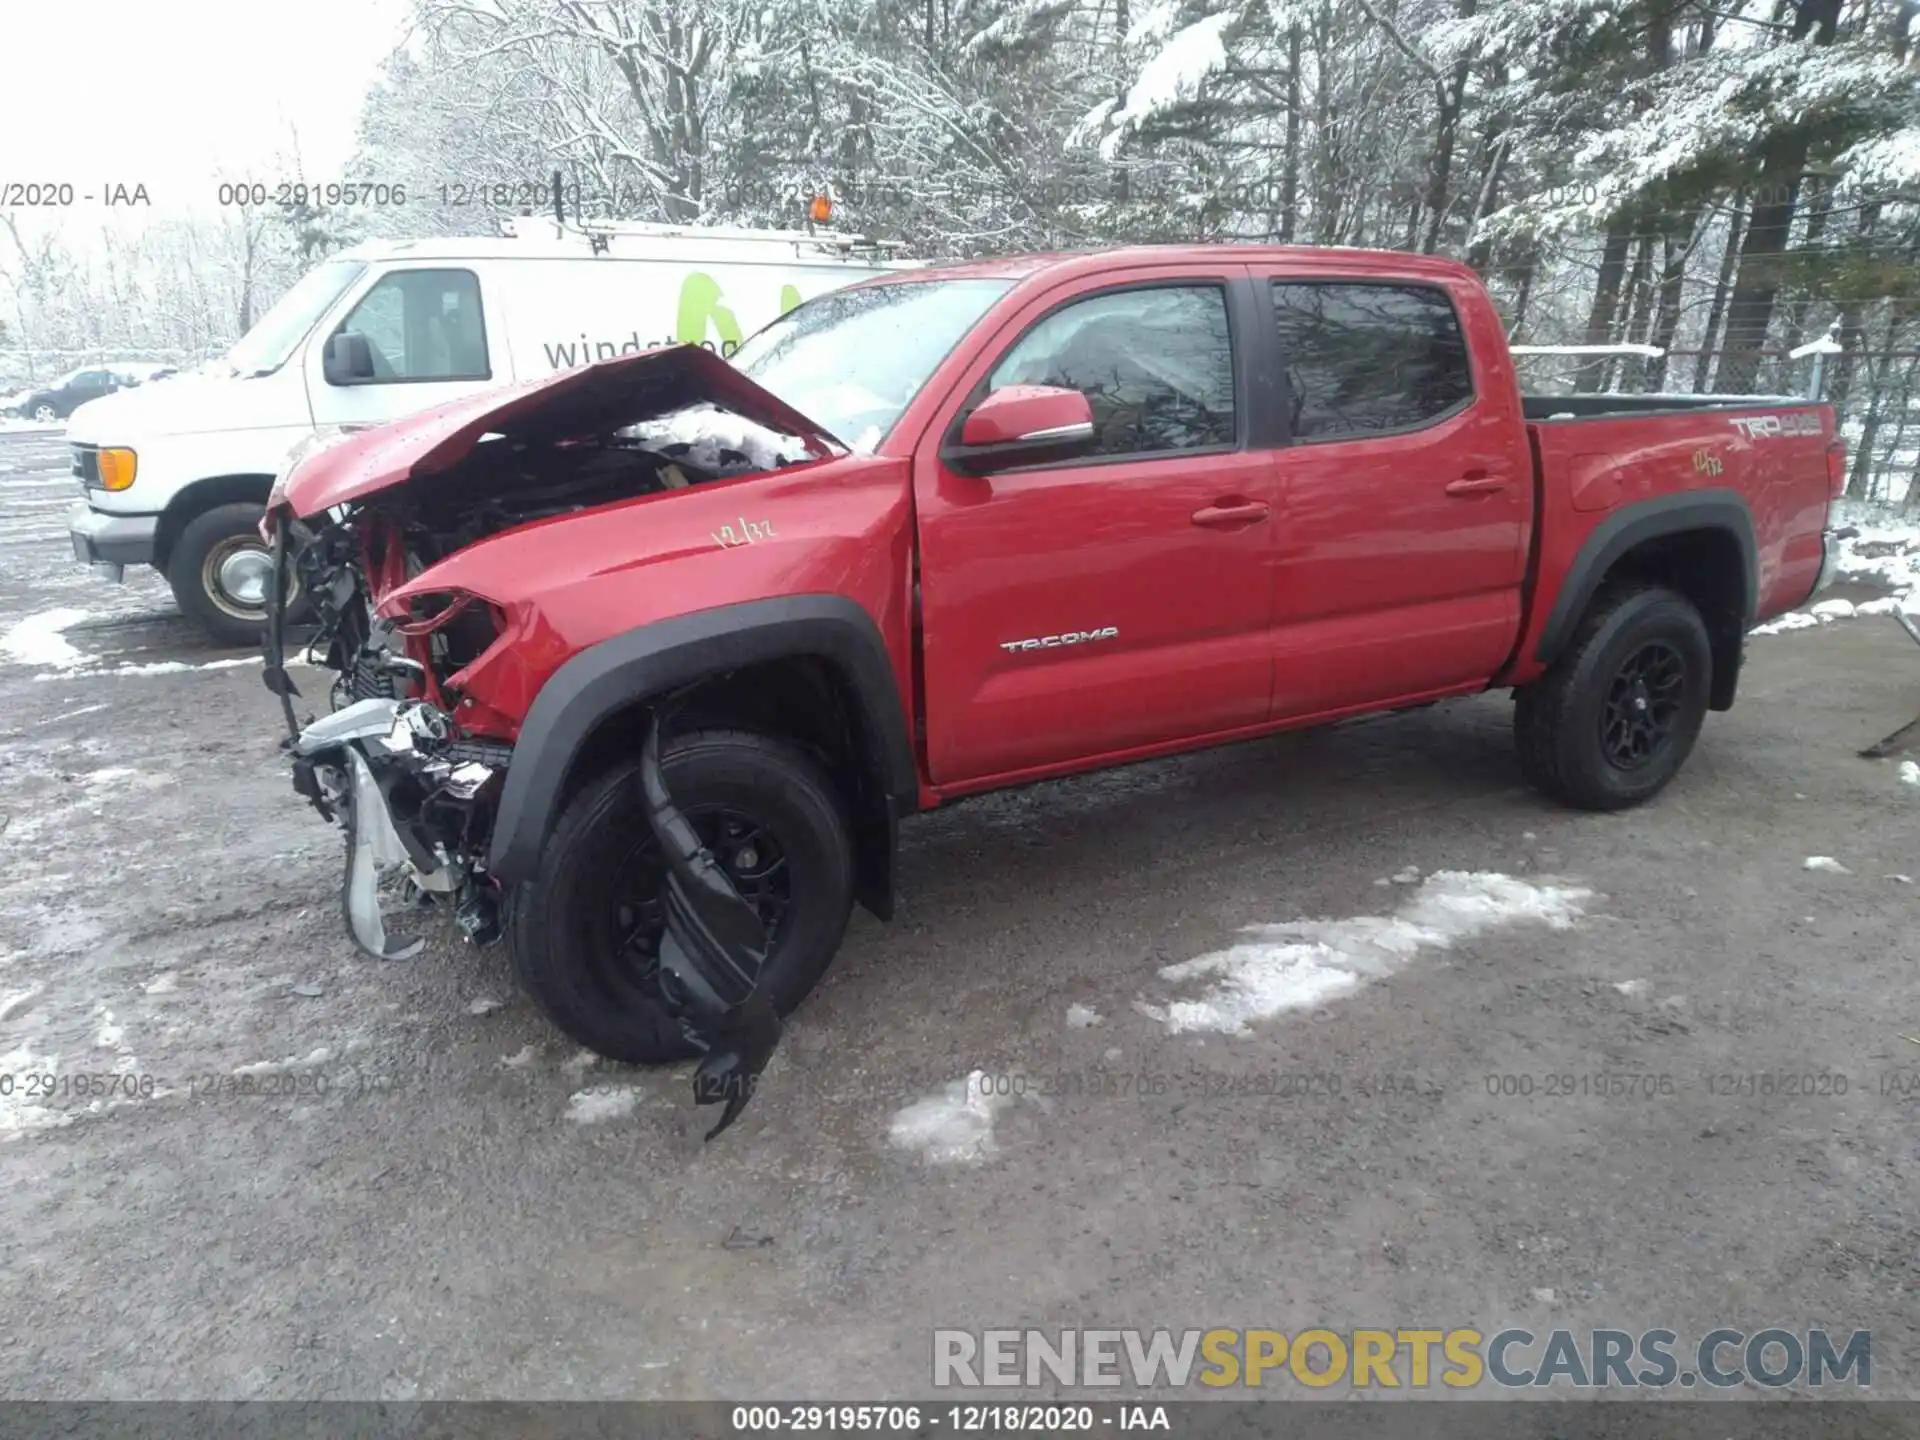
(177, 475)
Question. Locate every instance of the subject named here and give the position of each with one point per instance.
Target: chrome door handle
(1477, 483)
(1231, 514)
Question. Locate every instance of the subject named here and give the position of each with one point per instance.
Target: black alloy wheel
(1643, 703)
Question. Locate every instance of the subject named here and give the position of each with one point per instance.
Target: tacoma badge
(1054, 642)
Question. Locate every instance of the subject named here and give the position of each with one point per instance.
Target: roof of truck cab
(1064, 263)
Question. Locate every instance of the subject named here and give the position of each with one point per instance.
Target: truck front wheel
(585, 931)
(222, 572)
(1612, 720)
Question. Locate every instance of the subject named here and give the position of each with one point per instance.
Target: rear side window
(1368, 359)
(1156, 366)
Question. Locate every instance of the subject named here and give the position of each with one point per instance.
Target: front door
(426, 330)
(1119, 600)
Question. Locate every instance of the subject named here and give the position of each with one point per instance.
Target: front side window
(1156, 366)
(423, 325)
(1368, 359)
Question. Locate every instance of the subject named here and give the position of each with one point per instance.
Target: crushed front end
(413, 792)
(431, 679)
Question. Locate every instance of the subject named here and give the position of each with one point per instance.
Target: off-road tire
(561, 924)
(1559, 720)
(187, 564)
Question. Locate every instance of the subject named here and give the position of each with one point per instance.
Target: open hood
(588, 401)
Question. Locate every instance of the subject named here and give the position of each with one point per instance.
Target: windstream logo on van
(701, 310)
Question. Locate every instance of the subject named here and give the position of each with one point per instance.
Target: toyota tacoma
(641, 666)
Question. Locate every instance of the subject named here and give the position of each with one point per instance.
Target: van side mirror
(348, 359)
(1022, 425)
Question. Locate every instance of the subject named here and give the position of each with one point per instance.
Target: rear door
(1077, 610)
(1407, 491)
(427, 330)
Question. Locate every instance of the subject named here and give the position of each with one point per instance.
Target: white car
(177, 475)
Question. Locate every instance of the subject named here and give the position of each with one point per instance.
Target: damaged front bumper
(383, 769)
(411, 811)
(416, 803)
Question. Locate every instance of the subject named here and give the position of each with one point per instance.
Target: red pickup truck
(644, 663)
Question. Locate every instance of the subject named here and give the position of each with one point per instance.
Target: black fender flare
(654, 659)
(1633, 525)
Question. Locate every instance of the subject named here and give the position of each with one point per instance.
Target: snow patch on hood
(1303, 963)
(711, 433)
(953, 1126)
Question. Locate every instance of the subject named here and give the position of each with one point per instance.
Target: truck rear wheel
(1612, 720)
(585, 931)
(221, 572)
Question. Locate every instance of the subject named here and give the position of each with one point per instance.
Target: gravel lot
(458, 1204)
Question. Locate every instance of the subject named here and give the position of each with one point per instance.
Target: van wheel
(1612, 720)
(221, 572)
(585, 931)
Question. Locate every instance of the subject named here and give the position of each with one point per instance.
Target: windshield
(265, 347)
(852, 360)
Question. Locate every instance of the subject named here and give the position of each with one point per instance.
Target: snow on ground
(19, 1110)
(177, 667)
(598, 1103)
(1824, 863)
(953, 1126)
(1082, 1017)
(16, 1000)
(1302, 963)
(1792, 620)
(39, 639)
(291, 1065)
(1876, 548)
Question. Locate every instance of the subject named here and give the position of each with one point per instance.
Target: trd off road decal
(1770, 427)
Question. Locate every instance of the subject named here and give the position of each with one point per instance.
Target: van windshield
(852, 360)
(265, 347)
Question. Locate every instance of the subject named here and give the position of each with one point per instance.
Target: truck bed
(1594, 466)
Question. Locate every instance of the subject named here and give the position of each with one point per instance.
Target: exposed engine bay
(342, 563)
(416, 789)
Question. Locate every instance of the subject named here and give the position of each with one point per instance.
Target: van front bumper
(111, 542)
